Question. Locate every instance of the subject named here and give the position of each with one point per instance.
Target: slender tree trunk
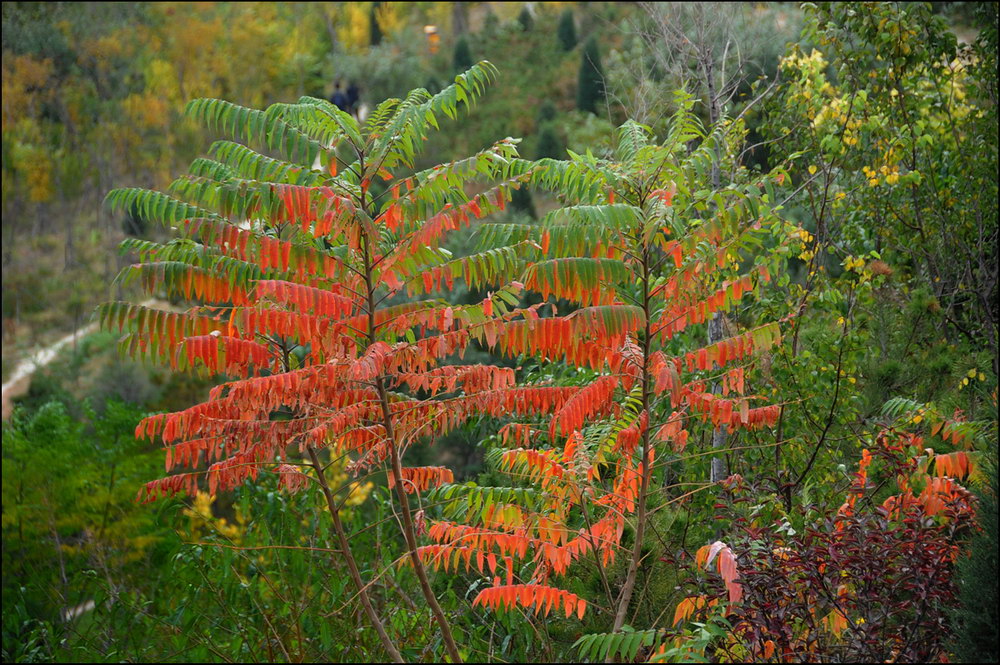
(107, 504)
(331, 31)
(719, 434)
(459, 18)
(640, 528)
(715, 328)
(69, 253)
(409, 532)
(352, 566)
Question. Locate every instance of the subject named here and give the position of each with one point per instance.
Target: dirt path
(20, 378)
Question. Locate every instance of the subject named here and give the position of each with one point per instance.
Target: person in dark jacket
(352, 97)
(339, 99)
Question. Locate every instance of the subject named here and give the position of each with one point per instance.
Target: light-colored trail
(20, 378)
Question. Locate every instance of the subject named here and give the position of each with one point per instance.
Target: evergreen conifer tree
(590, 86)
(373, 27)
(975, 621)
(567, 31)
(520, 200)
(546, 112)
(463, 56)
(525, 19)
(549, 144)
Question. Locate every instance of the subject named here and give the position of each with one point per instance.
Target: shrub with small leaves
(871, 582)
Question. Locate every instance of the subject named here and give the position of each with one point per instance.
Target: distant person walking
(339, 99)
(353, 94)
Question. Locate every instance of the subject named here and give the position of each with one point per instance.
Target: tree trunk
(715, 327)
(352, 567)
(459, 18)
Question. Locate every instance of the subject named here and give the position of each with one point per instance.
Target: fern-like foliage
(955, 429)
(598, 647)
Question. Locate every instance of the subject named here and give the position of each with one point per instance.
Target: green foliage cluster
(91, 575)
(70, 524)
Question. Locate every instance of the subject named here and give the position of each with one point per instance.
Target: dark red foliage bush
(871, 583)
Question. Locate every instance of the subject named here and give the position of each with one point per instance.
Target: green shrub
(491, 24)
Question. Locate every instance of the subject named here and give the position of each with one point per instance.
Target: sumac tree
(314, 252)
(644, 253)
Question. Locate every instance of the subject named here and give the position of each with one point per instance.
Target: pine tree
(590, 85)
(375, 30)
(463, 56)
(546, 112)
(567, 31)
(525, 19)
(549, 145)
